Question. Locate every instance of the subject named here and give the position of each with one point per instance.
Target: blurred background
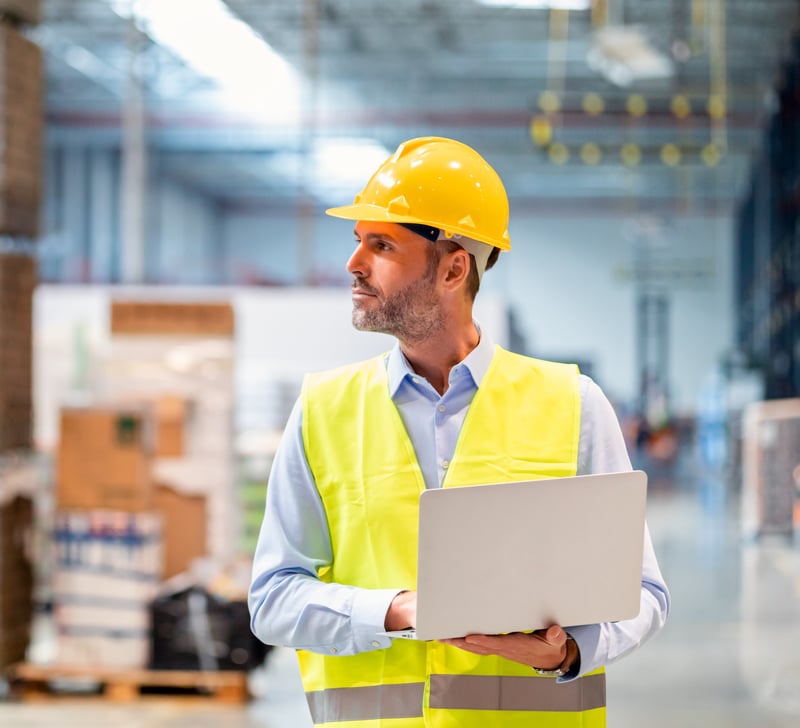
(167, 276)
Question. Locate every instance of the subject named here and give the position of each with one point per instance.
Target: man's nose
(357, 265)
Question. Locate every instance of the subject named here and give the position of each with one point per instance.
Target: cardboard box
(104, 458)
(155, 317)
(184, 536)
(170, 412)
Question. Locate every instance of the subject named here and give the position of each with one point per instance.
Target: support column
(134, 165)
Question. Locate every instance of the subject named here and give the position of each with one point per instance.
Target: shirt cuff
(368, 618)
(591, 655)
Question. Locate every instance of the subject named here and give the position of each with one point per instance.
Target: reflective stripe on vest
(523, 423)
(366, 703)
(457, 692)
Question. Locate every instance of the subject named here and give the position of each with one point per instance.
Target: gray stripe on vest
(366, 703)
(479, 692)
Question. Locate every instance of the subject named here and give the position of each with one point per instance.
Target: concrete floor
(728, 657)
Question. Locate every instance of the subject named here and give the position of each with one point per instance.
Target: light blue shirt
(291, 607)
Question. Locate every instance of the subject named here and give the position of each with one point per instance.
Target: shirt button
(441, 408)
(415, 380)
(445, 463)
(334, 650)
(375, 643)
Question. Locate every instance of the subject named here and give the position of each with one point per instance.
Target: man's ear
(457, 270)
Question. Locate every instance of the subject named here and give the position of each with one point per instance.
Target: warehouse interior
(168, 275)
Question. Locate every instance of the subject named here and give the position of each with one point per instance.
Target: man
(335, 564)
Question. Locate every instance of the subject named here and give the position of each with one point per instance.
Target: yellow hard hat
(438, 182)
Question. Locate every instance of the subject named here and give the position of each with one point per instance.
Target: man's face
(395, 283)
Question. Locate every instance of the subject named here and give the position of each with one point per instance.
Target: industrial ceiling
(656, 103)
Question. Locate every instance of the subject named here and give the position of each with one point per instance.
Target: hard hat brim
(374, 213)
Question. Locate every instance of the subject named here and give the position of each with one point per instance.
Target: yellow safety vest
(523, 423)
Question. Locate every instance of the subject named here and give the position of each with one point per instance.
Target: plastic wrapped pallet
(107, 567)
(194, 629)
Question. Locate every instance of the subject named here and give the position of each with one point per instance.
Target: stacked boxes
(21, 133)
(107, 567)
(17, 281)
(179, 358)
(144, 480)
(16, 579)
(104, 459)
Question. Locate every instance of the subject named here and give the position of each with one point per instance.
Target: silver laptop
(519, 556)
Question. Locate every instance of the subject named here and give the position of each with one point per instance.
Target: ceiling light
(623, 55)
(332, 167)
(539, 4)
(342, 165)
(217, 45)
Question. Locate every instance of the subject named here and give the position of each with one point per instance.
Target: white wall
(569, 285)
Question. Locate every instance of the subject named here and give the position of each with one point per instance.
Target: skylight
(206, 36)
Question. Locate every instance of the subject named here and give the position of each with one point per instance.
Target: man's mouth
(362, 290)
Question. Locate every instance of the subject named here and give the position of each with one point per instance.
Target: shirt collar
(476, 362)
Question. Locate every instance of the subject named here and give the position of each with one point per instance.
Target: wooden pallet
(30, 683)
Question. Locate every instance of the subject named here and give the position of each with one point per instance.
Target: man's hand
(544, 648)
(402, 612)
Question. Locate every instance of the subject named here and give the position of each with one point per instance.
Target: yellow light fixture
(711, 155)
(636, 105)
(716, 107)
(541, 131)
(591, 154)
(549, 102)
(593, 104)
(670, 155)
(681, 106)
(631, 155)
(559, 154)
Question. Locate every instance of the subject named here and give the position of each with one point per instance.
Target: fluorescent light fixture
(206, 36)
(539, 4)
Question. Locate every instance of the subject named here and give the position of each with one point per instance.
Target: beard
(412, 314)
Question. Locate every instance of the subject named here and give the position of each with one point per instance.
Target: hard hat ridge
(440, 183)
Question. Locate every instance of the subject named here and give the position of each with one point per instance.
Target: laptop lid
(519, 556)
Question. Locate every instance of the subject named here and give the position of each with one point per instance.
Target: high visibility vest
(523, 423)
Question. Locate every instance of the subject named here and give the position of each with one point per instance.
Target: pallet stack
(143, 488)
(21, 138)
